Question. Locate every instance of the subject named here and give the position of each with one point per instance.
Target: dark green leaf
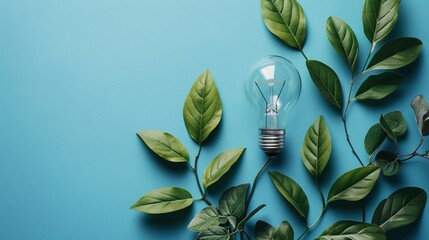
(286, 20)
(388, 163)
(220, 165)
(387, 129)
(343, 39)
(164, 200)
(316, 149)
(165, 145)
(374, 138)
(379, 17)
(397, 123)
(214, 233)
(376, 87)
(233, 201)
(401, 208)
(396, 54)
(233, 221)
(248, 217)
(264, 231)
(203, 108)
(327, 81)
(421, 111)
(291, 191)
(206, 218)
(354, 185)
(350, 230)
(284, 232)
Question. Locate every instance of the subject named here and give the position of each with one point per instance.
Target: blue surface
(79, 78)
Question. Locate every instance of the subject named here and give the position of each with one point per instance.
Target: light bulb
(273, 85)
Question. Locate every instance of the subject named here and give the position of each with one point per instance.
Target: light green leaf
(316, 149)
(286, 20)
(354, 185)
(264, 231)
(421, 111)
(401, 208)
(220, 165)
(233, 201)
(374, 138)
(350, 230)
(343, 39)
(206, 218)
(233, 221)
(388, 163)
(202, 111)
(214, 233)
(284, 232)
(291, 191)
(377, 87)
(387, 129)
(396, 54)
(327, 81)
(379, 17)
(165, 145)
(248, 217)
(164, 200)
(397, 123)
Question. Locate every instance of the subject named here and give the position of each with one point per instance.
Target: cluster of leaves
(286, 20)
(202, 113)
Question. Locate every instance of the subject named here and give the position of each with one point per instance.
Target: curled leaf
(374, 138)
(421, 111)
(388, 163)
(387, 129)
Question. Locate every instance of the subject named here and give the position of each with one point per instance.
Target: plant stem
(321, 194)
(414, 153)
(350, 143)
(252, 190)
(314, 223)
(303, 54)
(195, 171)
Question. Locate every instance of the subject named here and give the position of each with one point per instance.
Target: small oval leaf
(374, 138)
(291, 191)
(165, 145)
(388, 163)
(316, 149)
(379, 17)
(327, 81)
(377, 87)
(233, 201)
(354, 185)
(396, 54)
(202, 110)
(387, 129)
(343, 39)
(214, 233)
(421, 111)
(284, 232)
(221, 165)
(401, 208)
(164, 200)
(351, 230)
(264, 231)
(206, 218)
(286, 20)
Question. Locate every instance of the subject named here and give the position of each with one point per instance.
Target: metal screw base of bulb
(271, 141)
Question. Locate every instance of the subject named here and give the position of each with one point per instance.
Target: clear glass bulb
(273, 85)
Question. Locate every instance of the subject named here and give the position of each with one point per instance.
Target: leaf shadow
(404, 232)
(175, 221)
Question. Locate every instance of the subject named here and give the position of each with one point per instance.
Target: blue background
(79, 78)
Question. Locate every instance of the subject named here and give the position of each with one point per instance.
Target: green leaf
(220, 165)
(264, 231)
(286, 20)
(354, 185)
(343, 39)
(214, 233)
(316, 149)
(233, 221)
(401, 208)
(351, 230)
(388, 163)
(396, 54)
(203, 108)
(164, 200)
(291, 191)
(374, 138)
(206, 218)
(327, 81)
(387, 129)
(421, 111)
(379, 17)
(377, 87)
(165, 145)
(248, 217)
(233, 201)
(284, 232)
(397, 123)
